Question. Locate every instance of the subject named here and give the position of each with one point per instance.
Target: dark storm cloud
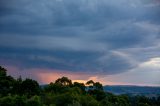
(90, 62)
(85, 35)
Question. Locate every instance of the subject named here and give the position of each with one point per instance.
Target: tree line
(63, 92)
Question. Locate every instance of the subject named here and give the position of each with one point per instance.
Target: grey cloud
(87, 62)
(78, 35)
(49, 16)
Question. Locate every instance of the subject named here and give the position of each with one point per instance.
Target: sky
(115, 42)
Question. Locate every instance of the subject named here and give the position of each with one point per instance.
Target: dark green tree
(3, 72)
(17, 88)
(98, 86)
(34, 101)
(96, 90)
(6, 82)
(79, 85)
(64, 81)
(158, 100)
(30, 87)
(54, 88)
(90, 83)
(143, 101)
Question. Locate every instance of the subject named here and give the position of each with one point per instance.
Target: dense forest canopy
(63, 92)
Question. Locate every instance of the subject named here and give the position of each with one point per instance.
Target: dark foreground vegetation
(62, 92)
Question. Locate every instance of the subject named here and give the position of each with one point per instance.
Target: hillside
(133, 90)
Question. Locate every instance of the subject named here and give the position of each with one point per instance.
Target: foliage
(64, 81)
(13, 100)
(62, 92)
(3, 72)
(30, 87)
(34, 101)
(6, 82)
(80, 85)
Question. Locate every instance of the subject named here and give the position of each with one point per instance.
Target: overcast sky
(111, 41)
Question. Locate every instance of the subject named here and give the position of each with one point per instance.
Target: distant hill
(133, 90)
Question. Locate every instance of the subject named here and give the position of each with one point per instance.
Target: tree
(87, 100)
(79, 85)
(34, 101)
(143, 101)
(3, 72)
(17, 87)
(6, 82)
(64, 81)
(65, 99)
(90, 83)
(96, 90)
(54, 88)
(13, 100)
(98, 86)
(30, 87)
(7, 101)
(94, 85)
(158, 100)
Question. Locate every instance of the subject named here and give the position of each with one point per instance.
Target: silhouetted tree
(90, 83)
(79, 85)
(54, 88)
(3, 72)
(158, 100)
(6, 82)
(18, 92)
(96, 90)
(98, 86)
(30, 87)
(64, 81)
(17, 88)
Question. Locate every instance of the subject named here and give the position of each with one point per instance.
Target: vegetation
(62, 92)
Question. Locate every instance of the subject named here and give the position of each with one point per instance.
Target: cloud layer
(90, 36)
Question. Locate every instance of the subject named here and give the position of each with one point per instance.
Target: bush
(13, 101)
(34, 101)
